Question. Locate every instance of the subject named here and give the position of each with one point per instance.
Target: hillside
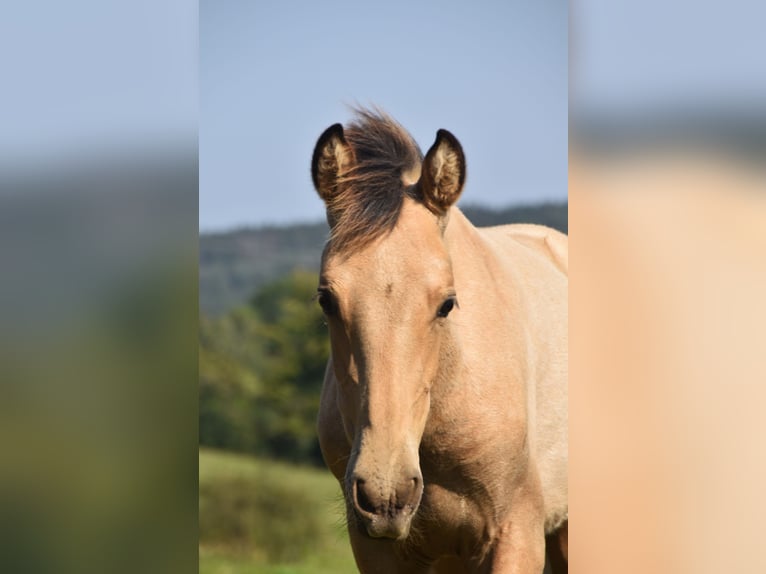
(234, 264)
(257, 515)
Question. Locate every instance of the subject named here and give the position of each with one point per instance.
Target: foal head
(387, 289)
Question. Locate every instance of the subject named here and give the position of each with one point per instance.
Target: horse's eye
(446, 307)
(326, 301)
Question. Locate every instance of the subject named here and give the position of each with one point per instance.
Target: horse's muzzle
(386, 512)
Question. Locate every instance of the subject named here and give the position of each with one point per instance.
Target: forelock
(370, 194)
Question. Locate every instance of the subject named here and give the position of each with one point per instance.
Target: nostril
(408, 494)
(363, 502)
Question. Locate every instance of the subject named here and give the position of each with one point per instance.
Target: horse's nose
(386, 512)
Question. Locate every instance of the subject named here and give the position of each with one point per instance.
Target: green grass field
(268, 517)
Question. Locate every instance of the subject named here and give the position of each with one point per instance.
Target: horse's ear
(443, 173)
(332, 156)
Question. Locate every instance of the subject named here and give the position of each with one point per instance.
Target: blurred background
(273, 76)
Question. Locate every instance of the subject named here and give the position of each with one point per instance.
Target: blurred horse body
(444, 407)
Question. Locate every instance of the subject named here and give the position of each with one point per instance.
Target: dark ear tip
(334, 130)
(443, 134)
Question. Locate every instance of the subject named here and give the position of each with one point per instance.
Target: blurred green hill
(234, 264)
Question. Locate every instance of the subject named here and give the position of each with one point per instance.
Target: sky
(84, 76)
(274, 75)
(254, 83)
(653, 55)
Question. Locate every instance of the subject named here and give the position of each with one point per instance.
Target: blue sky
(262, 79)
(676, 55)
(83, 77)
(274, 75)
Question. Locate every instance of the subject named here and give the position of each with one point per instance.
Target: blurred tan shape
(667, 363)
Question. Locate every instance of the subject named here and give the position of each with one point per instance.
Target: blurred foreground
(667, 377)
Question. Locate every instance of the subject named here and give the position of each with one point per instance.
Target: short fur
(447, 431)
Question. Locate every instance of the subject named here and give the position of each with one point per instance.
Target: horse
(443, 412)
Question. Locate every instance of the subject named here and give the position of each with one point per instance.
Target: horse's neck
(461, 237)
(470, 254)
(489, 299)
(472, 381)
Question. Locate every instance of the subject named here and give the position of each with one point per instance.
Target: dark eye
(446, 307)
(326, 301)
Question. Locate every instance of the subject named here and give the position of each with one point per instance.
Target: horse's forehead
(416, 234)
(416, 221)
(412, 252)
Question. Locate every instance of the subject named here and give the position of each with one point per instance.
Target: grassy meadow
(269, 517)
